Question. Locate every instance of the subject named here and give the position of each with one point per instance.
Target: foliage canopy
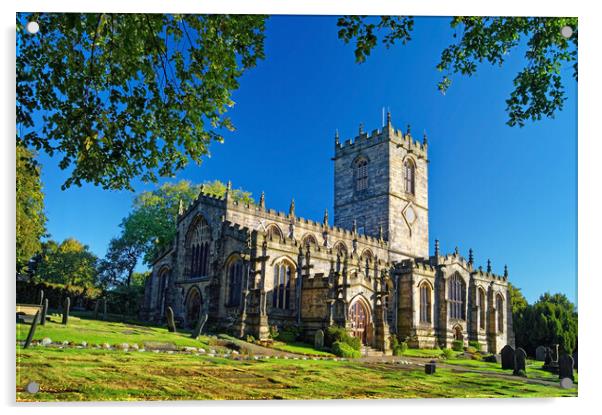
(30, 216)
(538, 87)
(125, 96)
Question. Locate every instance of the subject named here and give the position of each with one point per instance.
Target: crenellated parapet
(387, 133)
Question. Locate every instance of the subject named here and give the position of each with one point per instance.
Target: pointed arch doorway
(359, 318)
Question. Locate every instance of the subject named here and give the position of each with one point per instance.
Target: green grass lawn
(90, 374)
(84, 374)
(432, 353)
(534, 370)
(81, 328)
(299, 348)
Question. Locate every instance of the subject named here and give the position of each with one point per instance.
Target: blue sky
(508, 193)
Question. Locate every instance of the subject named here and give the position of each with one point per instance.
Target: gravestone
(430, 368)
(547, 361)
(198, 329)
(66, 307)
(540, 353)
(575, 360)
(44, 312)
(319, 339)
(104, 308)
(520, 362)
(492, 358)
(555, 354)
(507, 354)
(41, 297)
(32, 330)
(565, 367)
(171, 323)
(96, 303)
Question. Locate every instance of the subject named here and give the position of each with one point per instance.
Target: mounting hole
(33, 387)
(32, 27)
(566, 32)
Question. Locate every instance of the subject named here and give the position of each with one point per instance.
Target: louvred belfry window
(361, 175)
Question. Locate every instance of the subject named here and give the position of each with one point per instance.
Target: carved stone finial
(506, 271)
(325, 222)
(291, 209)
(456, 251)
(354, 226)
(361, 128)
(470, 256)
(425, 140)
(388, 118)
(408, 132)
(229, 186)
(436, 247)
(337, 140)
(381, 233)
(262, 200)
(488, 266)
(181, 207)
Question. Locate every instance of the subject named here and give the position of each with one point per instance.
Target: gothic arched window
(409, 177)
(425, 303)
(163, 281)
(283, 285)
(274, 233)
(456, 297)
(499, 305)
(197, 248)
(310, 241)
(235, 276)
(361, 174)
(482, 309)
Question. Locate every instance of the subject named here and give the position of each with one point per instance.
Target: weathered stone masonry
(250, 267)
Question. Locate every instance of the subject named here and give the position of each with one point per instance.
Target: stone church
(249, 267)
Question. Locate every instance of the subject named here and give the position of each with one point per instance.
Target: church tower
(381, 182)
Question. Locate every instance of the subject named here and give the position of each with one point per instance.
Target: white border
(589, 171)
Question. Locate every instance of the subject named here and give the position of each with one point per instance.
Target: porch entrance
(359, 319)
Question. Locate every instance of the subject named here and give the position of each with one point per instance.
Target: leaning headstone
(520, 362)
(565, 367)
(32, 330)
(198, 329)
(555, 354)
(96, 309)
(507, 354)
(540, 353)
(171, 324)
(66, 306)
(44, 312)
(41, 297)
(319, 339)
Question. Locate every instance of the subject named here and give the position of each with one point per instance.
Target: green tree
(218, 189)
(119, 263)
(538, 87)
(69, 262)
(151, 226)
(30, 216)
(518, 300)
(553, 319)
(126, 96)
